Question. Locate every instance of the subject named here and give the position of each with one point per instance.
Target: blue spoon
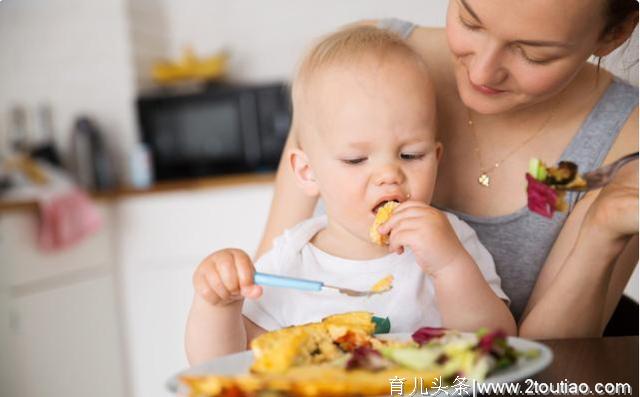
(272, 280)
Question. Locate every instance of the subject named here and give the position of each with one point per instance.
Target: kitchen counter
(160, 187)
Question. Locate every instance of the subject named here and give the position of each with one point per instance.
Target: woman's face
(511, 54)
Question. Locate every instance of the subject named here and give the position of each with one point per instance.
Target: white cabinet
(161, 239)
(63, 342)
(5, 359)
(106, 317)
(59, 328)
(26, 264)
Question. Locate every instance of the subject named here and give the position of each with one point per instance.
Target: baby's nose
(389, 174)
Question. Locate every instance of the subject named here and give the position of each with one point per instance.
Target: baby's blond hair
(350, 44)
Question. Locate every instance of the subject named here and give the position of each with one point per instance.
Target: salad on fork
(547, 186)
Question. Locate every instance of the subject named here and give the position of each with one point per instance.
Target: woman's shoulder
(431, 43)
(619, 101)
(627, 140)
(604, 112)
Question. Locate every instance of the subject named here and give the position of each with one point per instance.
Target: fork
(602, 176)
(272, 280)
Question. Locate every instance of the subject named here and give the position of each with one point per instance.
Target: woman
(514, 83)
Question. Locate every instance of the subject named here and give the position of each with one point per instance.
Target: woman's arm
(289, 204)
(589, 265)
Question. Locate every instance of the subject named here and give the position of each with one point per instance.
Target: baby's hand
(427, 232)
(226, 276)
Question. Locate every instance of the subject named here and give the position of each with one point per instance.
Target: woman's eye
(354, 161)
(468, 24)
(531, 59)
(411, 156)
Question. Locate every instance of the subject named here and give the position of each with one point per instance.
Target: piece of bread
(383, 215)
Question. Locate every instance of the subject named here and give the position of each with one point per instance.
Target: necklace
(484, 179)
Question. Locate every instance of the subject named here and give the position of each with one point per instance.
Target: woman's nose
(486, 67)
(389, 174)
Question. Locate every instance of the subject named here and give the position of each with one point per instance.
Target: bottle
(19, 129)
(140, 167)
(91, 163)
(43, 146)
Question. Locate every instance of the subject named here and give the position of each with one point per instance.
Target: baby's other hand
(427, 232)
(225, 277)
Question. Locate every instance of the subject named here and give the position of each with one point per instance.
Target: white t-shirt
(410, 304)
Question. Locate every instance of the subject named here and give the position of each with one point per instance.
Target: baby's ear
(439, 150)
(304, 174)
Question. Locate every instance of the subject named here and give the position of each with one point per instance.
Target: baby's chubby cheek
(423, 189)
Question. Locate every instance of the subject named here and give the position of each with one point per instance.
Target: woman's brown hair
(617, 12)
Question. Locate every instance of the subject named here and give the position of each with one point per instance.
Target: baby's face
(373, 139)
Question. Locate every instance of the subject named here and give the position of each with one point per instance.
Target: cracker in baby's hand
(383, 215)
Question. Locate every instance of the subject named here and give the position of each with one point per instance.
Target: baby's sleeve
(266, 311)
(479, 253)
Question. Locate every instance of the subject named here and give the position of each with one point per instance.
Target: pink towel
(65, 219)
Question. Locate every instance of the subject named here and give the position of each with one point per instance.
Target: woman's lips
(483, 89)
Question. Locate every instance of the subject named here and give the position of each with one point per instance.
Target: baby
(364, 114)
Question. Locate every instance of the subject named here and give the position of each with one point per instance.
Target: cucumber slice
(537, 169)
(542, 172)
(412, 358)
(533, 167)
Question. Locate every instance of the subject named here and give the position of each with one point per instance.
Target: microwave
(223, 129)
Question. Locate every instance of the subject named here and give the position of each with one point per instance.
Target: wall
(268, 37)
(150, 36)
(74, 55)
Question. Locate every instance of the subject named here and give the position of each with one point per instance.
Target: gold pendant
(484, 180)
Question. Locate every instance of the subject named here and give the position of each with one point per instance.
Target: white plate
(240, 363)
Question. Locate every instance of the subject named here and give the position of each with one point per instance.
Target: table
(593, 360)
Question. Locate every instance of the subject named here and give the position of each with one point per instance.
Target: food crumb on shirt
(383, 285)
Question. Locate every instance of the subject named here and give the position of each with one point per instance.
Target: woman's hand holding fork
(614, 212)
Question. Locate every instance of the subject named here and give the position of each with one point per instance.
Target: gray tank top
(521, 241)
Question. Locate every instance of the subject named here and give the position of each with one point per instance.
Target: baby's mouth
(375, 209)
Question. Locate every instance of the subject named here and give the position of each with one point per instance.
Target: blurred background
(137, 136)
